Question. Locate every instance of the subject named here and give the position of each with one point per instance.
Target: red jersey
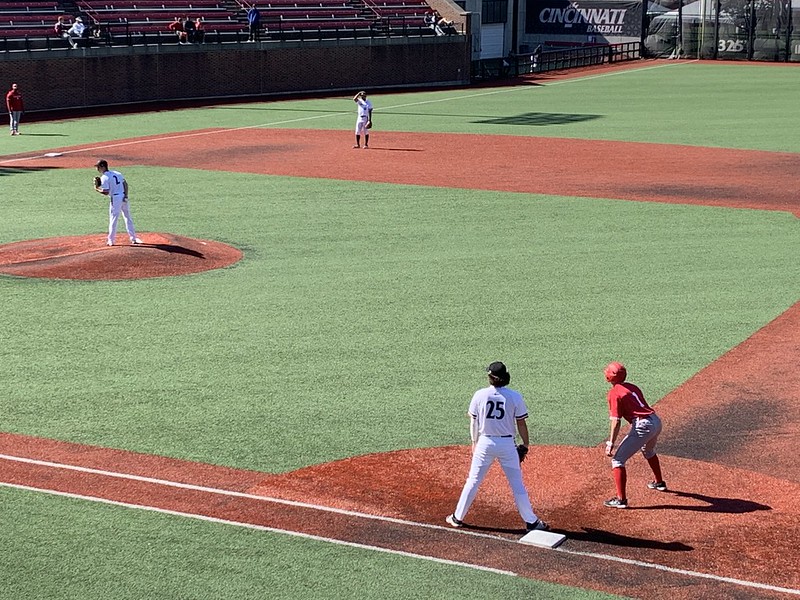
(14, 101)
(626, 401)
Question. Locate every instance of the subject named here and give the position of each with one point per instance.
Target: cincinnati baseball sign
(601, 17)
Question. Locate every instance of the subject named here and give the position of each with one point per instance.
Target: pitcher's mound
(88, 257)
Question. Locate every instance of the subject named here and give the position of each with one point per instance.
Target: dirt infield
(734, 506)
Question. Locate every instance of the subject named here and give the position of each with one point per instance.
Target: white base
(543, 539)
(53, 154)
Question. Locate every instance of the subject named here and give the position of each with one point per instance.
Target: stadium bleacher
(123, 19)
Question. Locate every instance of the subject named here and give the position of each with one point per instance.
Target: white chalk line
(649, 565)
(258, 528)
(179, 136)
(210, 490)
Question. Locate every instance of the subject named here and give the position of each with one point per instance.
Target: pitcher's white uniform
(113, 183)
(495, 411)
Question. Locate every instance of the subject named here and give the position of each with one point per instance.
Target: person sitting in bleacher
(177, 27)
(199, 30)
(189, 28)
(76, 32)
(60, 28)
(445, 26)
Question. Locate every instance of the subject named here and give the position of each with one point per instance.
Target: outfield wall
(96, 77)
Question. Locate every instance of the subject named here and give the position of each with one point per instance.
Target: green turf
(72, 549)
(359, 305)
(361, 317)
(725, 105)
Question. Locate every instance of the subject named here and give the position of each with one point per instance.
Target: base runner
(626, 401)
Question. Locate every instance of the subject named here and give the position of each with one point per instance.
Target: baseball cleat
(356, 146)
(616, 503)
(136, 241)
(661, 486)
(539, 525)
(451, 519)
(109, 243)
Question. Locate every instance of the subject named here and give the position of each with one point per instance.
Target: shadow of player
(714, 504)
(174, 249)
(599, 536)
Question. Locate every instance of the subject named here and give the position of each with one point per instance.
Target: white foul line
(649, 565)
(221, 492)
(211, 490)
(178, 136)
(258, 528)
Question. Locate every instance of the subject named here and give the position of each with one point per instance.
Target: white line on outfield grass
(506, 90)
(258, 528)
(210, 490)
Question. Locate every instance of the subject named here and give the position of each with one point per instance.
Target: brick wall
(95, 77)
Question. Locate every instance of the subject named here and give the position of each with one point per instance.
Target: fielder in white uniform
(364, 120)
(496, 413)
(113, 185)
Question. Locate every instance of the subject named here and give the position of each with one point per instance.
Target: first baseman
(113, 185)
(626, 401)
(496, 413)
(364, 120)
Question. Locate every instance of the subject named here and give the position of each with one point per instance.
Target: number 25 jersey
(497, 410)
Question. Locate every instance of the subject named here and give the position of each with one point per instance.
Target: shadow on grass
(24, 170)
(535, 119)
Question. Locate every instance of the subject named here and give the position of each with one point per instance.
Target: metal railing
(556, 60)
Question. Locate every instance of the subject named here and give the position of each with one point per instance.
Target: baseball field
(267, 398)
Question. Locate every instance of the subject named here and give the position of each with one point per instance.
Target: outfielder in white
(113, 185)
(364, 120)
(496, 413)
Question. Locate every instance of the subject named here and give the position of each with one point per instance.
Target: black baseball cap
(101, 163)
(497, 369)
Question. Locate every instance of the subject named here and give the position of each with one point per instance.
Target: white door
(492, 36)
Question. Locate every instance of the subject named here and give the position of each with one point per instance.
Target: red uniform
(626, 401)
(14, 101)
(15, 108)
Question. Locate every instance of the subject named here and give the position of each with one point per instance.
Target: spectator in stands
(76, 32)
(60, 28)
(253, 24)
(445, 26)
(430, 19)
(97, 31)
(177, 27)
(199, 30)
(15, 107)
(188, 27)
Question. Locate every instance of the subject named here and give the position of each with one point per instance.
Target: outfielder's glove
(522, 452)
(369, 124)
(97, 182)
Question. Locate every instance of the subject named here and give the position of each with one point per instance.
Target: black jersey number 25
(495, 410)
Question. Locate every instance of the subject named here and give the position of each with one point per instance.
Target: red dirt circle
(88, 257)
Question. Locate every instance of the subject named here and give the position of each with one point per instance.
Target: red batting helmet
(615, 372)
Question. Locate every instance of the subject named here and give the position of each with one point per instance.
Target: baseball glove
(369, 124)
(522, 452)
(97, 182)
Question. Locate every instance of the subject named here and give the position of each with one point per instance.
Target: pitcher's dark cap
(497, 369)
(101, 163)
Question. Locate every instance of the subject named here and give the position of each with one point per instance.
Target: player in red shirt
(15, 108)
(626, 401)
